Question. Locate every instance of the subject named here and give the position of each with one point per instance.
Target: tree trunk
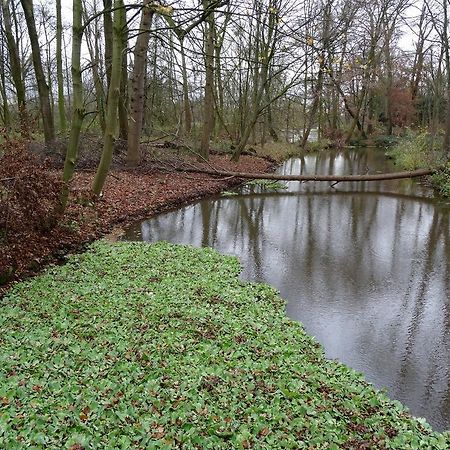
(108, 31)
(44, 94)
(6, 113)
(123, 95)
(137, 86)
(113, 99)
(78, 106)
(186, 102)
(445, 43)
(94, 53)
(59, 69)
(389, 81)
(330, 178)
(16, 69)
(208, 105)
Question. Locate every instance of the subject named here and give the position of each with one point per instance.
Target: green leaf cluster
(441, 181)
(161, 346)
(268, 184)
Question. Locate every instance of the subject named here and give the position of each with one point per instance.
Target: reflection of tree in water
(417, 301)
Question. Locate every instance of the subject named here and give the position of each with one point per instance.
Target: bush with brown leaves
(29, 192)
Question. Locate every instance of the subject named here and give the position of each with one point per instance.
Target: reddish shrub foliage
(29, 192)
(29, 199)
(403, 109)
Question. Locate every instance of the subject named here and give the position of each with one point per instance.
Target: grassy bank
(420, 151)
(161, 346)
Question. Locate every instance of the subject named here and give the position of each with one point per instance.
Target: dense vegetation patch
(418, 151)
(161, 346)
(424, 150)
(441, 181)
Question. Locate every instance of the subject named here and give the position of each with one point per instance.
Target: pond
(365, 266)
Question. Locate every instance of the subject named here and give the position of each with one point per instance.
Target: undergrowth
(441, 181)
(418, 151)
(424, 151)
(162, 346)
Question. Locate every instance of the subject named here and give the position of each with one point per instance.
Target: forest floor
(162, 346)
(128, 196)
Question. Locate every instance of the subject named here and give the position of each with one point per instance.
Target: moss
(162, 346)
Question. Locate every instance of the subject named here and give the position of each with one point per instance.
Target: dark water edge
(365, 266)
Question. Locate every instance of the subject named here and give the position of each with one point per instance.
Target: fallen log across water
(331, 178)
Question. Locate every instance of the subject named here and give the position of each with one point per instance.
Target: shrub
(418, 151)
(29, 192)
(441, 181)
(29, 200)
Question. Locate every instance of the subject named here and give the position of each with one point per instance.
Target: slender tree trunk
(186, 102)
(319, 85)
(6, 113)
(123, 95)
(66, 68)
(16, 69)
(59, 69)
(108, 31)
(445, 43)
(151, 102)
(137, 86)
(416, 75)
(389, 80)
(94, 53)
(44, 94)
(273, 134)
(113, 99)
(78, 106)
(265, 53)
(48, 63)
(314, 107)
(208, 105)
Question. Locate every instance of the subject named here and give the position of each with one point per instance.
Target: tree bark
(16, 69)
(108, 31)
(208, 104)
(113, 99)
(445, 43)
(331, 178)
(44, 94)
(94, 53)
(123, 94)
(78, 106)
(59, 69)
(137, 86)
(186, 102)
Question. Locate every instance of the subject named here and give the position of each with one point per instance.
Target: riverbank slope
(30, 189)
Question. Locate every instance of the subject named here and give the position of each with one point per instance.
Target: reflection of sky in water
(365, 266)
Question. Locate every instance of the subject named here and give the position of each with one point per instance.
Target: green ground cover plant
(161, 346)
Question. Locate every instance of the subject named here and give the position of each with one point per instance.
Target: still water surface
(365, 266)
